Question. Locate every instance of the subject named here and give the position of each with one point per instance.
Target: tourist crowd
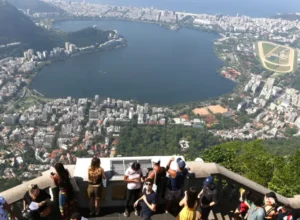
(144, 192)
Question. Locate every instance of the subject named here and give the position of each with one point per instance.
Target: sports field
(275, 57)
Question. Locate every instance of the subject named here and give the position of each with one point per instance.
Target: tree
(249, 159)
(6, 184)
(224, 154)
(290, 131)
(256, 164)
(286, 176)
(163, 140)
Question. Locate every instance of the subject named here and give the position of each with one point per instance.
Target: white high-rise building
(45, 54)
(97, 100)
(40, 55)
(67, 45)
(72, 48)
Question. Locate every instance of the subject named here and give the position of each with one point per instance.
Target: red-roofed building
(185, 116)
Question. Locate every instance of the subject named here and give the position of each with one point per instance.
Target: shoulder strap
(270, 210)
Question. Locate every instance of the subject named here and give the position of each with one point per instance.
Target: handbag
(74, 184)
(45, 212)
(104, 182)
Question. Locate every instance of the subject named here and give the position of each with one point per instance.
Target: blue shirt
(177, 182)
(256, 213)
(3, 215)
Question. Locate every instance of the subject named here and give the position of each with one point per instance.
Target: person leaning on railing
(133, 177)
(175, 185)
(40, 198)
(95, 176)
(208, 198)
(270, 201)
(4, 207)
(158, 175)
(66, 196)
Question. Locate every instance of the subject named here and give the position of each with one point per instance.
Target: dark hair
(158, 163)
(246, 195)
(76, 216)
(191, 197)
(287, 208)
(64, 178)
(272, 195)
(136, 166)
(149, 180)
(95, 163)
(257, 201)
(33, 187)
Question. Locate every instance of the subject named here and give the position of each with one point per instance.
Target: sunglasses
(148, 184)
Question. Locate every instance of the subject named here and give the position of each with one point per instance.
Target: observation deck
(114, 195)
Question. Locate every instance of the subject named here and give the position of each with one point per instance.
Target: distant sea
(253, 8)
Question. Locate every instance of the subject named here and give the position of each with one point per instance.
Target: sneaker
(136, 212)
(126, 213)
(166, 211)
(97, 212)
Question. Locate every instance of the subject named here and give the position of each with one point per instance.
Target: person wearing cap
(285, 213)
(133, 177)
(159, 172)
(175, 185)
(208, 198)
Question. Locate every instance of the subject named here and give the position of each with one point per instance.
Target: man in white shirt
(133, 178)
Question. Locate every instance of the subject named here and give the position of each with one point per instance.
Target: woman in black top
(34, 194)
(66, 196)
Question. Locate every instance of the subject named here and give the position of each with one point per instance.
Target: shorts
(170, 194)
(94, 191)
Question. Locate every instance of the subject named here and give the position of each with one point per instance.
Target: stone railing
(198, 170)
(202, 170)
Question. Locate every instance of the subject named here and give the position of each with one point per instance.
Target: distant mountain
(17, 27)
(34, 5)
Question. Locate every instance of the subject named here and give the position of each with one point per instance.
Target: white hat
(156, 160)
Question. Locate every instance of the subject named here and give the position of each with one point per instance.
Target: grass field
(278, 50)
(277, 67)
(268, 47)
(273, 59)
(283, 68)
(271, 66)
(295, 61)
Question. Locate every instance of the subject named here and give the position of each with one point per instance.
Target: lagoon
(158, 66)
